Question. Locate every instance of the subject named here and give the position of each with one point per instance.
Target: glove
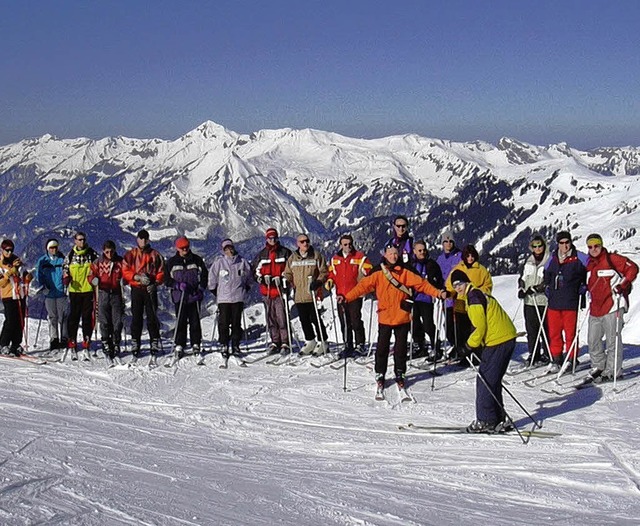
(267, 280)
(183, 286)
(583, 301)
(214, 291)
(95, 281)
(151, 288)
(143, 279)
(328, 285)
(247, 287)
(541, 287)
(521, 294)
(315, 285)
(277, 281)
(619, 289)
(45, 291)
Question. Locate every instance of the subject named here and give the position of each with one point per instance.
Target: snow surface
(83, 444)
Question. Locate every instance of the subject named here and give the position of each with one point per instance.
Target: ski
(225, 363)
(324, 360)
(153, 362)
(238, 360)
(173, 360)
(546, 377)
(280, 359)
(379, 396)
(24, 358)
(588, 382)
(200, 359)
(404, 395)
(261, 357)
(460, 430)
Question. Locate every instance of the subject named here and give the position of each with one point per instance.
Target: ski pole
(344, 337)
(285, 304)
(315, 306)
(572, 347)
(35, 343)
(370, 321)
(542, 335)
(244, 330)
(175, 330)
(439, 313)
(267, 315)
(617, 344)
(335, 327)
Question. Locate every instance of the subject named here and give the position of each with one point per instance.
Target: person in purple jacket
(401, 239)
(450, 257)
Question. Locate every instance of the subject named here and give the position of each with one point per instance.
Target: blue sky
(539, 71)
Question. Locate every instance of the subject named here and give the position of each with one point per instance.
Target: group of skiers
(416, 295)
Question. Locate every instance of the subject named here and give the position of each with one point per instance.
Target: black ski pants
(230, 324)
(11, 335)
(81, 307)
(401, 333)
(351, 313)
(189, 319)
(143, 303)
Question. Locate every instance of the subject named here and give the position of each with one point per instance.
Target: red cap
(271, 232)
(182, 242)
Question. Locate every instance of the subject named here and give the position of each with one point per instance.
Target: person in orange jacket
(14, 283)
(393, 284)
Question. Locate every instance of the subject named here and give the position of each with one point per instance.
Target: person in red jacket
(609, 279)
(268, 267)
(143, 270)
(393, 285)
(106, 275)
(346, 268)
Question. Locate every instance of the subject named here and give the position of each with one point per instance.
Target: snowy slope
(80, 444)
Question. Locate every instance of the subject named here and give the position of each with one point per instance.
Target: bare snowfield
(83, 444)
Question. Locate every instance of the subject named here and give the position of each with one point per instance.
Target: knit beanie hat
(563, 234)
(447, 235)
(458, 277)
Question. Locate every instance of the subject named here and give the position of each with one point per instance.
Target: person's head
(227, 247)
(594, 245)
(459, 281)
(182, 245)
(400, 226)
(563, 239)
(80, 240)
(142, 239)
(7, 247)
(303, 243)
(470, 255)
(420, 250)
(52, 246)
(448, 242)
(109, 249)
(391, 254)
(346, 243)
(272, 236)
(537, 245)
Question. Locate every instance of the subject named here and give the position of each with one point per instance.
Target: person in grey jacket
(229, 280)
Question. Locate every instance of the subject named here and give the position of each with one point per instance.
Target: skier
(267, 268)
(105, 276)
(481, 279)
(143, 270)
(14, 284)
(77, 266)
(229, 281)
(423, 307)
(306, 271)
(531, 290)
(609, 280)
(401, 238)
(392, 283)
(49, 270)
(565, 282)
(447, 260)
(187, 277)
(493, 338)
(346, 268)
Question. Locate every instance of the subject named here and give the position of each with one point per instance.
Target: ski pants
(401, 333)
(110, 315)
(535, 339)
(463, 328)
(351, 313)
(610, 326)
(277, 320)
(423, 323)
(81, 307)
(562, 332)
(57, 314)
(11, 335)
(493, 366)
(143, 303)
(189, 318)
(230, 324)
(309, 322)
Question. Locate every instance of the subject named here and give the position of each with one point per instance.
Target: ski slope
(83, 444)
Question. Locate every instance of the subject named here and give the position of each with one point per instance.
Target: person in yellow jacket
(493, 338)
(481, 279)
(393, 285)
(13, 289)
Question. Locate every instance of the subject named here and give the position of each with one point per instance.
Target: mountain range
(214, 183)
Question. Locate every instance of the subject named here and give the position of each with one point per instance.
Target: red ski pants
(562, 321)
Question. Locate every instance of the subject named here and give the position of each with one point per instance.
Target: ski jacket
(346, 271)
(49, 273)
(604, 273)
(302, 271)
(77, 266)
(12, 286)
(404, 244)
(191, 270)
(230, 278)
(491, 324)
(390, 298)
(447, 262)
(478, 276)
(143, 261)
(270, 261)
(108, 272)
(429, 270)
(533, 276)
(565, 281)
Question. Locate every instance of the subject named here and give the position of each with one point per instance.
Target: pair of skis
(460, 430)
(404, 395)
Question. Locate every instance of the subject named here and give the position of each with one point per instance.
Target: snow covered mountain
(212, 183)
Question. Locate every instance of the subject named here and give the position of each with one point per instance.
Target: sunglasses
(537, 246)
(564, 242)
(80, 239)
(10, 250)
(400, 226)
(593, 247)
(448, 241)
(303, 241)
(272, 237)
